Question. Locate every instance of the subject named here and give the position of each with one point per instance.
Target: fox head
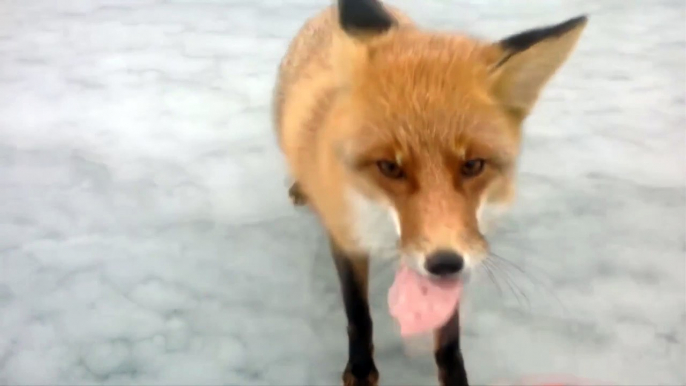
(430, 126)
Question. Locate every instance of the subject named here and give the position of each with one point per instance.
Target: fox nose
(444, 263)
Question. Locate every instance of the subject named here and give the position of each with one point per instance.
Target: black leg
(353, 273)
(451, 370)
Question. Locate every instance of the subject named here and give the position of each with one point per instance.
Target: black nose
(444, 263)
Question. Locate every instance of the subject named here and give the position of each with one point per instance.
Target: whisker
(535, 281)
(490, 274)
(529, 263)
(513, 264)
(516, 291)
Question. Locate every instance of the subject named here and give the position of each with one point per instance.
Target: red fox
(404, 142)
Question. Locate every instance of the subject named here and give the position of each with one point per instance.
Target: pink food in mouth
(420, 304)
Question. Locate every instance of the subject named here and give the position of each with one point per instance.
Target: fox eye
(472, 167)
(390, 169)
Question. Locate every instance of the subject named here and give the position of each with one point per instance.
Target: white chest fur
(375, 225)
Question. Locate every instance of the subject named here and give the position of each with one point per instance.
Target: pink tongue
(419, 304)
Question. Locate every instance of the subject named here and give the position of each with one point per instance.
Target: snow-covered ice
(146, 236)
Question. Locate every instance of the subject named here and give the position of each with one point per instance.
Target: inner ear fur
(522, 64)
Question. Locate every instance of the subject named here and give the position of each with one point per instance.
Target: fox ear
(362, 18)
(522, 64)
(360, 22)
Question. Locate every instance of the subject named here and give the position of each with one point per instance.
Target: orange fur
(429, 101)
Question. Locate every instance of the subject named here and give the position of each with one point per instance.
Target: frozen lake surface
(146, 236)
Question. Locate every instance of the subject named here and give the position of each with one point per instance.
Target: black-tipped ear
(527, 39)
(523, 63)
(364, 16)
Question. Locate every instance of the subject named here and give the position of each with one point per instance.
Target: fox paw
(297, 197)
(368, 376)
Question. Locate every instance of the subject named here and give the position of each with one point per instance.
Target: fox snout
(451, 259)
(444, 263)
(446, 246)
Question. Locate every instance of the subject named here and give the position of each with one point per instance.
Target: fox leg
(448, 354)
(296, 195)
(353, 272)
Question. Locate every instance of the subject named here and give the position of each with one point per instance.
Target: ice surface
(146, 236)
